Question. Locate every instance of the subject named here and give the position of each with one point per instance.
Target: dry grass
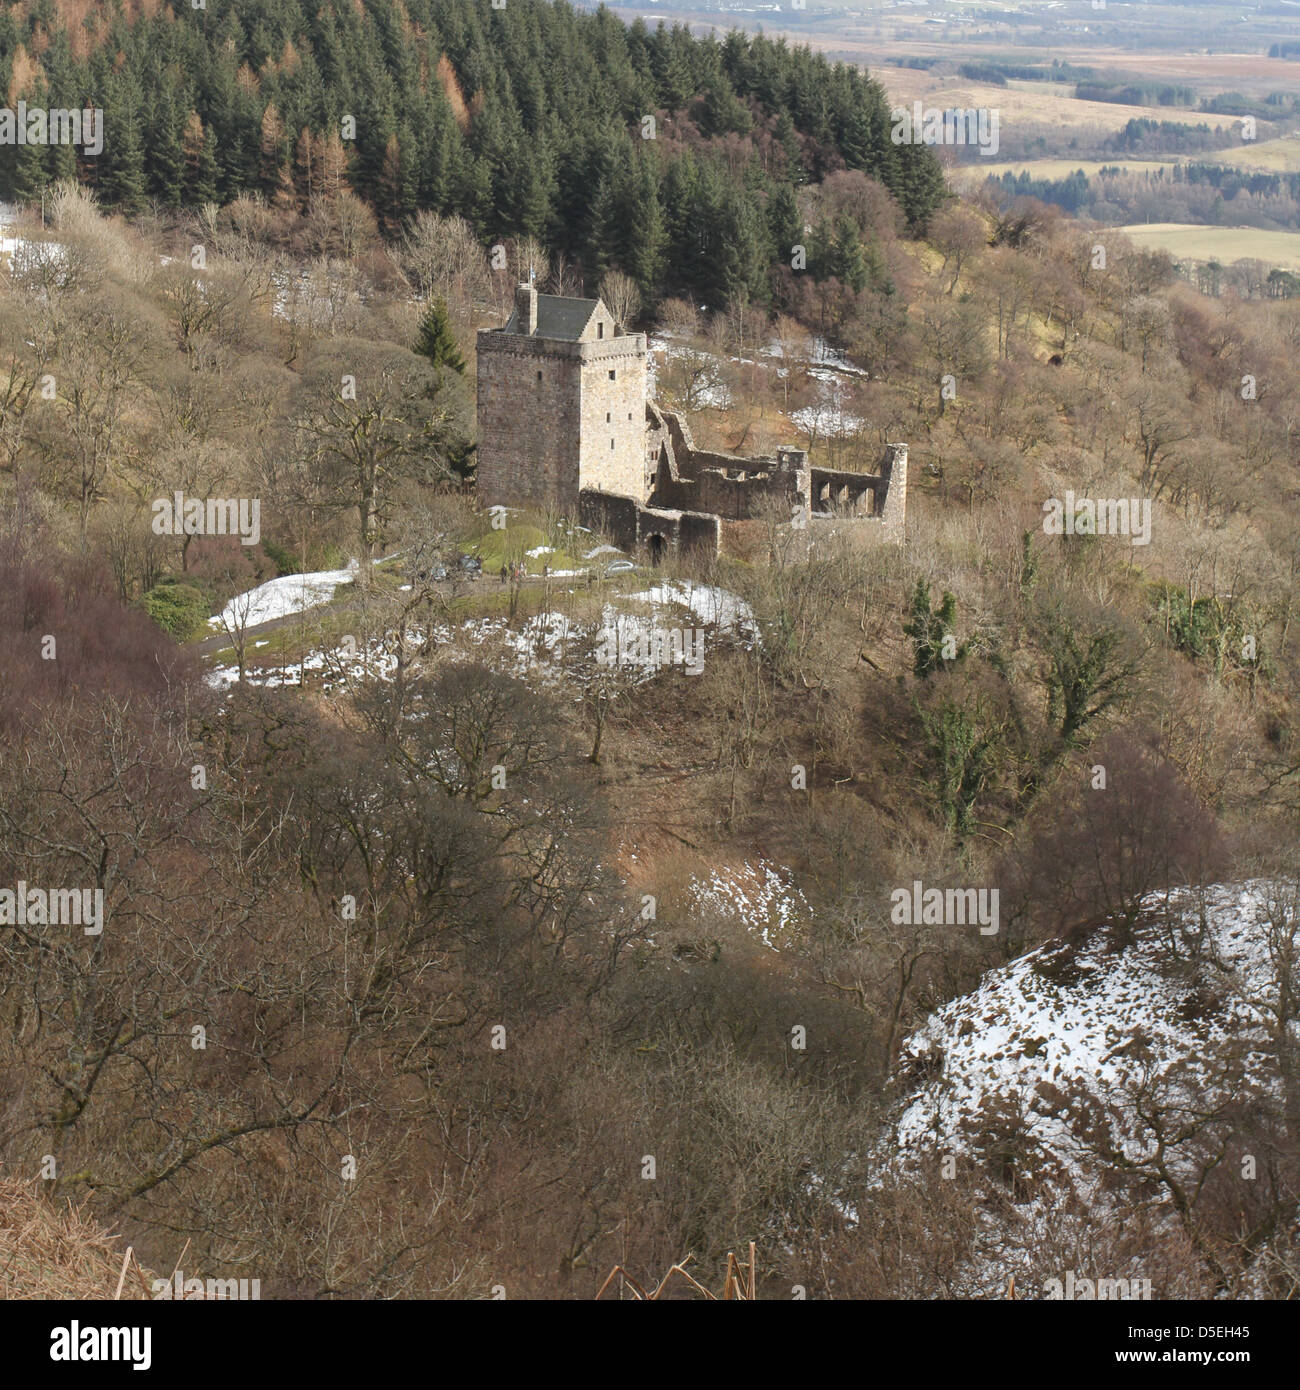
(1187, 241)
(51, 1251)
(1281, 156)
(1022, 104)
(740, 1283)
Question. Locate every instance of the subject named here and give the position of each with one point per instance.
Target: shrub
(281, 557)
(179, 609)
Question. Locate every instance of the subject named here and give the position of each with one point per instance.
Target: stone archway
(656, 546)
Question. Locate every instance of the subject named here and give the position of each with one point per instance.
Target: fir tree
(435, 341)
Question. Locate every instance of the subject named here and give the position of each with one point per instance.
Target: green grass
(328, 623)
(511, 544)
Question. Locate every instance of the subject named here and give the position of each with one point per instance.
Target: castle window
(600, 330)
(613, 376)
(611, 443)
(539, 376)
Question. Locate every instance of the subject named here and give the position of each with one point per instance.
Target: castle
(565, 425)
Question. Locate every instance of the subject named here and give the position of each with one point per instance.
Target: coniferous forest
(531, 120)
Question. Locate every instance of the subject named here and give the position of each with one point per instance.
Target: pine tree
(721, 111)
(121, 175)
(602, 244)
(647, 240)
(850, 258)
(166, 161)
(200, 162)
(785, 226)
(436, 342)
(389, 201)
(795, 173)
(931, 631)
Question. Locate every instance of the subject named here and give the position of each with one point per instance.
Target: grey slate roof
(560, 317)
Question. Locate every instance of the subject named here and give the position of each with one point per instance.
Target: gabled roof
(560, 317)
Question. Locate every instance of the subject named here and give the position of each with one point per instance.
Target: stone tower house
(564, 424)
(561, 404)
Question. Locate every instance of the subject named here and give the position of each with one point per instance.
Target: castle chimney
(526, 309)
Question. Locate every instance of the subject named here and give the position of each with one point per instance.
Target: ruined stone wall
(732, 486)
(893, 510)
(881, 496)
(701, 532)
(615, 517)
(630, 525)
(840, 490)
(739, 499)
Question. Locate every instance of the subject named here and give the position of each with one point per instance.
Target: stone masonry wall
(630, 525)
(613, 416)
(881, 496)
(893, 513)
(548, 412)
(730, 485)
(529, 419)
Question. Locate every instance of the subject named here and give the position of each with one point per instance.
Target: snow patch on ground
(710, 392)
(758, 895)
(827, 368)
(550, 647)
(1065, 1041)
(280, 598)
(708, 603)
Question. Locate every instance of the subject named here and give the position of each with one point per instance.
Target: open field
(879, 38)
(1057, 168)
(1151, 43)
(1214, 72)
(1225, 244)
(1027, 102)
(1269, 156)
